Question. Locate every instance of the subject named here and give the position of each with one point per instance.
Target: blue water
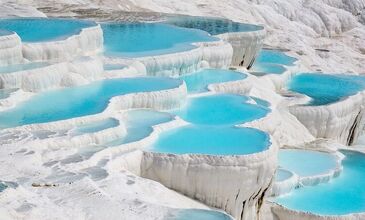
(96, 126)
(199, 81)
(212, 140)
(44, 29)
(307, 163)
(268, 68)
(282, 175)
(145, 39)
(342, 195)
(274, 57)
(325, 88)
(79, 101)
(21, 67)
(220, 109)
(139, 125)
(197, 214)
(214, 26)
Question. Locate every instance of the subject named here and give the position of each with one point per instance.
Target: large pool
(326, 88)
(44, 29)
(79, 101)
(212, 140)
(220, 109)
(199, 81)
(342, 195)
(307, 163)
(146, 39)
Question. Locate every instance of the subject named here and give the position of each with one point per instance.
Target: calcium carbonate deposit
(182, 110)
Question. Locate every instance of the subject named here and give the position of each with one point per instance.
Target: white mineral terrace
(98, 161)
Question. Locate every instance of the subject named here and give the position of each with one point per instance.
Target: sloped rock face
(236, 184)
(10, 49)
(341, 121)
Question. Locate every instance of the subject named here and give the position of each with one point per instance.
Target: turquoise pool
(326, 88)
(342, 195)
(47, 29)
(139, 125)
(197, 214)
(220, 109)
(146, 39)
(213, 26)
(212, 140)
(307, 163)
(199, 81)
(79, 101)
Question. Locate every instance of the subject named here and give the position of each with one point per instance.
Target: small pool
(95, 126)
(220, 109)
(282, 174)
(214, 26)
(5, 93)
(326, 88)
(268, 68)
(47, 29)
(147, 39)
(114, 66)
(197, 214)
(212, 140)
(342, 195)
(274, 57)
(139, 125)
(199, 81)
(306, 163)
(22, 67)
(79, 101)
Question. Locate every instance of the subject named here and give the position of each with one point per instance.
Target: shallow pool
(95, 126)
(139, 125)
(47, 29)
(220, 109)
(212, 140)
(197, 214)
(21, 67)
(79, 101)
(307, 163)
(342, 195)
(268, 68)
(146, 39)
(326, 88)
(214, 26)
(199, 81)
